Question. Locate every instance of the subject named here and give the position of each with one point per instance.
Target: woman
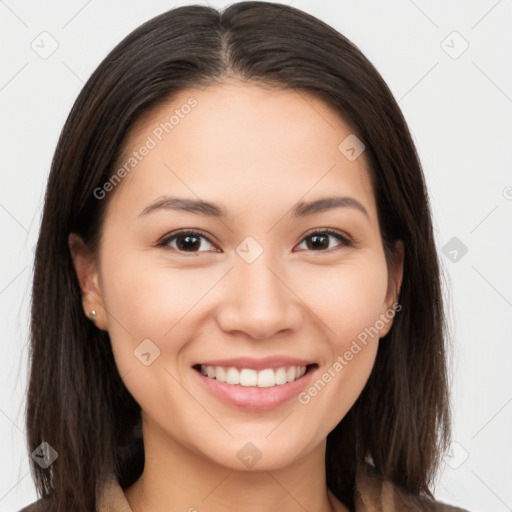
(236, 294)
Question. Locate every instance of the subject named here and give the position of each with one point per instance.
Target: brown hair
(77, 401)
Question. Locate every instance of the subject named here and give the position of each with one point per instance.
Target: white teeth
(232, 376)
(248, 377)
(266, 378)
(220, 374)
(280, 376)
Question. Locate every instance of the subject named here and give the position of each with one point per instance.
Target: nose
(258, 301)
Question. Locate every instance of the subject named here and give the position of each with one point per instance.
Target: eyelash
(164, 243)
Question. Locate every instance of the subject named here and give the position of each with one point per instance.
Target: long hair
(77, 401)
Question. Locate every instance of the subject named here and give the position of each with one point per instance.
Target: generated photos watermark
(151, 142)
(341, 361)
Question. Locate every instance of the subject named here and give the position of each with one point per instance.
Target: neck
(185, 480)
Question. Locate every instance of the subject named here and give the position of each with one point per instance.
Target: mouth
(251, 389)
(250, 377)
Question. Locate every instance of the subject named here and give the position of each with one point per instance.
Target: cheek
(147, 307)
(148, 298)
(348, 306)
(347, 298)
(151, 301)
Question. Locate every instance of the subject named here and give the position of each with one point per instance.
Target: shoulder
(109, 498)
(374, 494)
(41, 505)
(37, 506)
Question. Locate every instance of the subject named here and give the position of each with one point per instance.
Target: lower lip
(253, 397)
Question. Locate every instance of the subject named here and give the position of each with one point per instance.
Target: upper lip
(258, 364)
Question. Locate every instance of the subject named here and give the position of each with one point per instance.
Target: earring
(92, 315)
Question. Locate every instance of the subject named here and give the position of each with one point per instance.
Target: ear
(391, 305)
(87, 274)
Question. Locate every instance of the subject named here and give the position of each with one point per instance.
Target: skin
(256, 151)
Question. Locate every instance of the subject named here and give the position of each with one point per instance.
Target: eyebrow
(302, 209)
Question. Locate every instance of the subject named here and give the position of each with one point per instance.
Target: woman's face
(261, 287)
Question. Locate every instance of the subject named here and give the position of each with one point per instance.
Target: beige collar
(371, 495)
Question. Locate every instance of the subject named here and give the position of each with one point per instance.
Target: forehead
(259, 141)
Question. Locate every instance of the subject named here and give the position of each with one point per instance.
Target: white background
(460, 113)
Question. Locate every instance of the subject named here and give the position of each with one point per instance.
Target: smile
(265, 378)
(257, 389)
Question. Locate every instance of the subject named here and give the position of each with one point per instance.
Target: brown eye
(319, 241)
(186, 241)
